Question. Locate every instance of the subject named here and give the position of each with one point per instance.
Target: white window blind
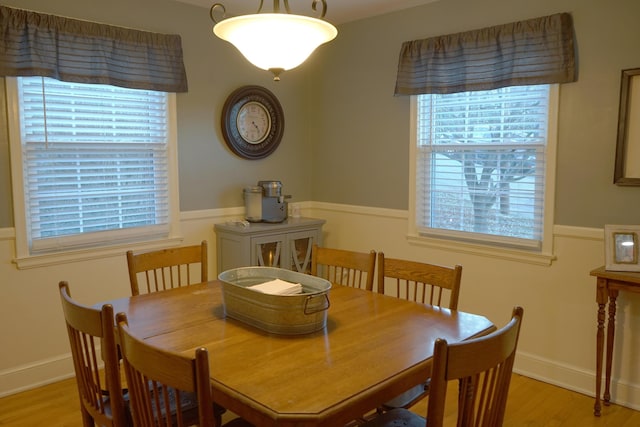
(95, 162)
(480, 169)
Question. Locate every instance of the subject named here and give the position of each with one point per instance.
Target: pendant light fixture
(276, 41)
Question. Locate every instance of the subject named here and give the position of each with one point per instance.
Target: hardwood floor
(531, 404)
(534, 403)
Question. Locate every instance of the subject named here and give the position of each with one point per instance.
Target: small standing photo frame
(621, 247)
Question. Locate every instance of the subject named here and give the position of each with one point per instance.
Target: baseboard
(575, 379)
(43, 372)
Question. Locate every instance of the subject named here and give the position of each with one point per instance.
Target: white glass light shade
(275, 41)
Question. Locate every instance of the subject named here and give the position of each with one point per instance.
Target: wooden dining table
(373, 348)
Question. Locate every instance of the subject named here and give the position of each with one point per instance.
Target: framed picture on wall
(627, 166)
(621, 247)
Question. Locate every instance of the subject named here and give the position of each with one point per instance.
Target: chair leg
(217, 413)
(87, 419)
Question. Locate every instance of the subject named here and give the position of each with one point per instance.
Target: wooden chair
(419, 282)
(92, 338)
(157, 379)
(167, 268)
(483, 367)
(342, 267)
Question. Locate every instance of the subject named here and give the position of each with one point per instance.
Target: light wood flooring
(531, 404)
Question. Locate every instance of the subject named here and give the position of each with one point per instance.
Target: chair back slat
(167, 268)
(420, 282)
(343, 267)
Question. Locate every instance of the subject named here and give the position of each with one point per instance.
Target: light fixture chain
(276, 9)
(314, 6)
(213, 9)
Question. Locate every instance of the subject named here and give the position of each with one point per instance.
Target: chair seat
(399, 417)
(238, 422)
(408, 398)
(188, 406)
(106, 402)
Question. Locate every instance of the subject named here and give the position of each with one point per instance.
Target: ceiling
(338, 11)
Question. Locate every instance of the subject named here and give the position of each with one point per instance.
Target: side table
(609, 283)
(285, 244)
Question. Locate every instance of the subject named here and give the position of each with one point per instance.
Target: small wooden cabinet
(287, 244)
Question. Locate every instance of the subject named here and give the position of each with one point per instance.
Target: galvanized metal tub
(279, 314)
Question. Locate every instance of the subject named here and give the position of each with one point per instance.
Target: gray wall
(361, 136)
(211, 176)
(347, 137)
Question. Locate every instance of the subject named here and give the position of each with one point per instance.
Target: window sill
(536, 258)
(45, 260)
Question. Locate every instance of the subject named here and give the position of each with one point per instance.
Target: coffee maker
(274, 206)
(265, 203)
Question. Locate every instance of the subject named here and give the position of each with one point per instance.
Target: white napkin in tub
(278, 287)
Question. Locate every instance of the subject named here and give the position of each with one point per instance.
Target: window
(93, 164)
(484, 160)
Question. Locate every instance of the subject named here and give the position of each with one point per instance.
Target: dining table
(372, 348)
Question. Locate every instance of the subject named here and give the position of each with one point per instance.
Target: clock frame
(269, 129)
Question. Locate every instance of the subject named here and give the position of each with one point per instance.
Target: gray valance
(535, 51)
(36, 44)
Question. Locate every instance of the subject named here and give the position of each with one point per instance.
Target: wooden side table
(608, 285)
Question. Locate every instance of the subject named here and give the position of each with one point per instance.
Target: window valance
(36, 44)
(535, 51)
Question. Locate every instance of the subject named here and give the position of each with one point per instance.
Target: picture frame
(621, 247)
(627, 164)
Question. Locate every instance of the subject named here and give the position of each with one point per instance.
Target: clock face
(252, 122)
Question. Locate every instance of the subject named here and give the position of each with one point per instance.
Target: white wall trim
(211, 213)
(53, 369)
(578, 232)
(456, 246)
(596, 234)
(8, 233)
(558, 230)
(362, 210)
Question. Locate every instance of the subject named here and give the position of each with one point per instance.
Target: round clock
(252, 122)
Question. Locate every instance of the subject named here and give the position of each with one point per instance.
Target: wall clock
(252, 122)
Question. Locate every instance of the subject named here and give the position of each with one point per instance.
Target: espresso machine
(266, 203)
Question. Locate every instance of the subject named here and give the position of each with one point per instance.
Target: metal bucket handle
(309, 298)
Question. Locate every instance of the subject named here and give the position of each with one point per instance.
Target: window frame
(127, 238)
(460, 241)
